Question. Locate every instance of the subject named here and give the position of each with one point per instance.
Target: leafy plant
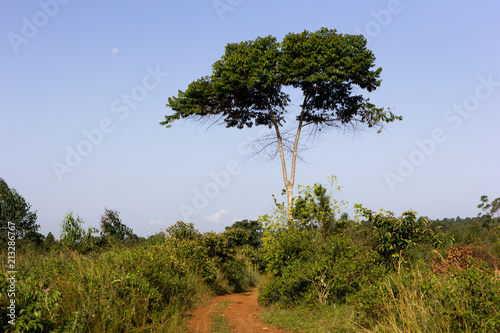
(316, 209)
(395, 235)
(40, 313)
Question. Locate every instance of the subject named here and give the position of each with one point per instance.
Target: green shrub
(326, 272)
(472, 300)
(414, 301)
(289, 289)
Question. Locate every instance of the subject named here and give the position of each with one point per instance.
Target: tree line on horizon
(15, 209)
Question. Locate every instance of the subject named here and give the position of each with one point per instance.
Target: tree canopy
(15, 211)
(112, 226)
(248, 87)
(254, 229)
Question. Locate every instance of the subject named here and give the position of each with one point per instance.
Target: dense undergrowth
(378, 272)
(135, 288)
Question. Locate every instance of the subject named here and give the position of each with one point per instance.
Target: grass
(312, 319)
(220, 324)
(122, 289)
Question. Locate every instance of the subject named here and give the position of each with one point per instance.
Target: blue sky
(84, 85)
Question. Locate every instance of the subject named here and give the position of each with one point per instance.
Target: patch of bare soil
(242, 311)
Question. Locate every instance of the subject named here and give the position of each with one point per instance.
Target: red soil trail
(242, 312)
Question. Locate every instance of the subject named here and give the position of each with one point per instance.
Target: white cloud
(153, 226)
(215, 218)
(114, 50)
(157, 222)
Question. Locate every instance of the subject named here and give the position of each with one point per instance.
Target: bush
(325, 271)
(414, 301)
(312, 257)
(472, 300)
(289, 289)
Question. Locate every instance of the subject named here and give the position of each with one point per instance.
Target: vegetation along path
(230, 313)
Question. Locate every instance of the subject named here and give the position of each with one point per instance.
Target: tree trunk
(288, 182)
(289, 197)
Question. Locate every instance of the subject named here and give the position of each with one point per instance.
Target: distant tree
(50, 242)
(112, 226)
(183, 230)
(247, 88)
(72, 232)
(16, 216)
(254, 229)
(235, 237)
(157, 238)
(489, 209)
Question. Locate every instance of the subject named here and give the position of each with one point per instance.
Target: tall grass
(415, 301)
(407, 307)
(421, 302)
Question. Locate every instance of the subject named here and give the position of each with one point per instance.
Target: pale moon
(114, 51)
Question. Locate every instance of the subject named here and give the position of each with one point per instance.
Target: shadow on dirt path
(242, 311)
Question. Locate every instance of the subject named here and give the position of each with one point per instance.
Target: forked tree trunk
(289, 182)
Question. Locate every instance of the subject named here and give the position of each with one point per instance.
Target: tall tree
(249, 86)
(16, 216)
(112, 226)
(489, 209)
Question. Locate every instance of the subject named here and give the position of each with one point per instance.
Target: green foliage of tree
(72, 232)
(489, 209)
(217, 256)
(50, 243)
(236, 237)
(157, 238)
(315, 208)
(112, 226)
(254, 229)
(183, 230)
(325, 271)
(395, 235)
(248, 85)
(16, 216)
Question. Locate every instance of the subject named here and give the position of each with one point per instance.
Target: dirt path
(241, 310)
